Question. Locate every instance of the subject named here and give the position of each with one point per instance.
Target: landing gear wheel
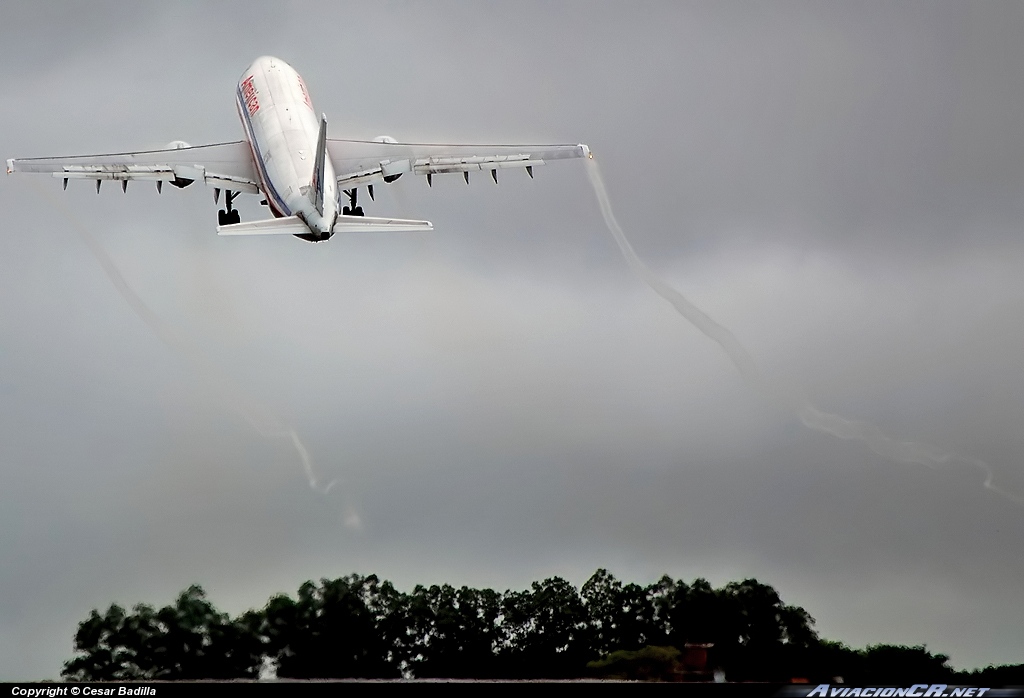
(352, 209)
(228, 215)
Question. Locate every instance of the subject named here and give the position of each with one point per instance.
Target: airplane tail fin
(316, 188)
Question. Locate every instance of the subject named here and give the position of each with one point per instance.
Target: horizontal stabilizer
(365, 224)
(292, 225)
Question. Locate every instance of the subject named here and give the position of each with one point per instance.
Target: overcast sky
(501, 400)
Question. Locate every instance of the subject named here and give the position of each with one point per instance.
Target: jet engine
(179, 182)
(388, 139)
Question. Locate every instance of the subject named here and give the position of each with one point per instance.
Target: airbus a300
(309, 182)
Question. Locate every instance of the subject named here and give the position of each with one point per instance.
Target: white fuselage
(281, 127)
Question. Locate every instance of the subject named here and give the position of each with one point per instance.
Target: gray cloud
(501, 400)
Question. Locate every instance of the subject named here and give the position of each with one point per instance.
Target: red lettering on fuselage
(305, 95)
(252, 102)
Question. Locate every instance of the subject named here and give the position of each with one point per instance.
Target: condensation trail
(783, 396)
(262, 419)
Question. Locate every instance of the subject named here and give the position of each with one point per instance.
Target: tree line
(358, 626)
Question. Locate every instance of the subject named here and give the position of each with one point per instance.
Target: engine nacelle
(179, 182)
(388, 139)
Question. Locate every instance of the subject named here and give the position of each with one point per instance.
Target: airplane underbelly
(282, 130)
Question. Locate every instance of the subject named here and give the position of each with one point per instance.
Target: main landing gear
(352, 209)
(227, 215)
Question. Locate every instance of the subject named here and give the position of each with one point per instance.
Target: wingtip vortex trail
(779, 394)
(260, 417)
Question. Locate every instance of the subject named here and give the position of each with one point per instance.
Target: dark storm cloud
(501, 401)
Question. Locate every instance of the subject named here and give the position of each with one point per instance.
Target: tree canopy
(362, 627)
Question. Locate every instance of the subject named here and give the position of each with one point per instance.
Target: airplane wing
(357, 163)
(221, 165)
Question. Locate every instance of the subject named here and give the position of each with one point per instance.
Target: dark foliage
(189, 640)
(1008, 675)
(361, 627)
(648, 664)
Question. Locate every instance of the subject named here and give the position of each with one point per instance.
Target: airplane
(287, 156)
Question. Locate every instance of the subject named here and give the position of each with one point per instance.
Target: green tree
(892, 664)
(620, 617)
(546, 632)
(361, 627)
(452, 632)
(187, 640)
(198, 642)
(329, 631)
(647, 664)
(97, 642)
